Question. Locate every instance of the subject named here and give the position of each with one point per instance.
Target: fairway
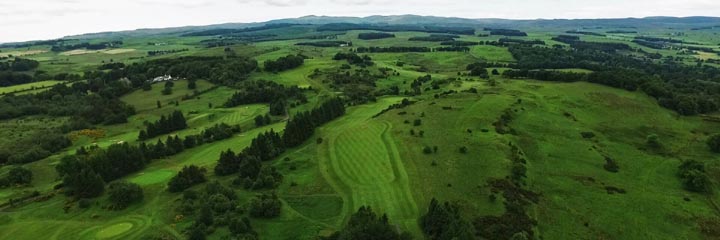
(367, 161)
(363, 164)
(114, 230)
(152, 177)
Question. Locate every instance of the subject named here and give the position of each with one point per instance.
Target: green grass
(29, 86)
(377, 162)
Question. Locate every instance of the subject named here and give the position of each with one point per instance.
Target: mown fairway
(364, 165)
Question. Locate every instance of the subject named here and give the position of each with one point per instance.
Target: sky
(26, 20)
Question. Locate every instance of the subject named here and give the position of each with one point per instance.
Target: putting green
(152, 177)
(114, 230)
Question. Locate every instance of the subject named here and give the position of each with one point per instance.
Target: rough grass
(29, 86)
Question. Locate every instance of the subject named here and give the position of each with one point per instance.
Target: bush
(417, 122)
(587, 134)
(653, 141)
(694, 177)
(167, 91)
(463, 149)
(19, 176)
(611, 165)
(121, 194)
(427, 150)
(265, 206)
(714, 143)
(84, 203)
(188, 176)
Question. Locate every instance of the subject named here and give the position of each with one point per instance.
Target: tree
(259, 120)
(167, 91)
(20, 176)
(444, 222)
(197, 233)
(159, 105)
(206, 216)
(84, 184)
(192, 84)
(367, 225)
(653, 141)
(694, 177)
(188, 176)
(427, 150)
(147, 86)
(277, 107)
(228, 163)
(122, 194)
(266, 205)
(241, 228)
(714, 143)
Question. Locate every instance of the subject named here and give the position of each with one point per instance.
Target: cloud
(286, 3)
(353, 2)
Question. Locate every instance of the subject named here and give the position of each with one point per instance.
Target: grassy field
(378, 161)
(29, 86)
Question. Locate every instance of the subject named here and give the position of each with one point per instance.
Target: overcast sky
(44, 19)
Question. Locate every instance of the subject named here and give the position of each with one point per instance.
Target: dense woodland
(166, 124)
(284, 63)
(375, 35)
(686, 89)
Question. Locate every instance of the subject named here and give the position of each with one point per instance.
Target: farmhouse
(163, 78)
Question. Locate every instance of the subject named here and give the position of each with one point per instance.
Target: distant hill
(661, 22)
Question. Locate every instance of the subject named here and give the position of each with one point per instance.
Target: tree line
(284, 63)
(85, 173)
(686, 89)
(354, 59)
(251, 92)
(12, 72)
(434, 38)
(166, 124)
(506, 32)
(325, 44)
(375, 35)
(61, 47)
(271, 144)
(410, 49)
(163, 52)
(396, 28)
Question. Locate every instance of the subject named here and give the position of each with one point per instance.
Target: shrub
(427, 150)
(694, 177)
(611, 165)
(417, 122)
(19, 175)
(265, 206)
(463, 149)
(714, 143)
(84, 203)
(587, 134)
(188, 176)
(653, 141)
(121, 194)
